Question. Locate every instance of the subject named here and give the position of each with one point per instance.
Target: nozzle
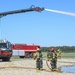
(38, 9)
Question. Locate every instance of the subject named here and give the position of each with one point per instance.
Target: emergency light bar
(3, 41)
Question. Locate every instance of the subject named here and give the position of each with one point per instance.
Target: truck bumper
(4, 56)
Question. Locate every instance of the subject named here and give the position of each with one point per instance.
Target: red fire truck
(5, 50)
(24, 50)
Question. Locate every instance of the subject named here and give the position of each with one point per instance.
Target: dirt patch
(27, 67)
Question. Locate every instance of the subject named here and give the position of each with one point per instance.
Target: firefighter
(59, 53)
(52, 57)
(39, 59)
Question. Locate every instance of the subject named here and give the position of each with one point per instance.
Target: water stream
(61, 12)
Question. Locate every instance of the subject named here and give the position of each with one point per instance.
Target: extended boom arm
(38, 9)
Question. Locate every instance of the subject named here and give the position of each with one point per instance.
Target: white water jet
(61, 12)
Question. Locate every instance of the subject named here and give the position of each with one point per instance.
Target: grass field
(68, 55)
(63, 55)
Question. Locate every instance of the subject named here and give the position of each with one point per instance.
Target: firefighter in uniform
(52, 57)
(59, 53)
(39, 59)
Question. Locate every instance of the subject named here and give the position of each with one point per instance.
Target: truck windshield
(3, 45)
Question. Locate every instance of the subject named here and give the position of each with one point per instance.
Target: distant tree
(65, 49)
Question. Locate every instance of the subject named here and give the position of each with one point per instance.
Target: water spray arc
(61, 12)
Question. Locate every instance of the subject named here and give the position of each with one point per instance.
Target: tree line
(65, 49)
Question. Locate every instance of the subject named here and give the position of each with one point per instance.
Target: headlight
(3, 49)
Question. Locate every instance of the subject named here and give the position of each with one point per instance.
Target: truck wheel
(6, 59)
(31, 55)
(21, 56)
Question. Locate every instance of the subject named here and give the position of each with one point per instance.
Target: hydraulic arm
(32, 8)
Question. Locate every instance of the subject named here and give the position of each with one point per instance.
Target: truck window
(3, 45)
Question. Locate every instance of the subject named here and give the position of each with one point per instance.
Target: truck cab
(5, 50)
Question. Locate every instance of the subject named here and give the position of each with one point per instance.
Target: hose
(32, 7)
(25, 68)
(47, 64)
(51, 69)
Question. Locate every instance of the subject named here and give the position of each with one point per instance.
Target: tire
(31, 55)
(21, 56)
(6, 59)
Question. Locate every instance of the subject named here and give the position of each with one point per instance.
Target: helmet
(38, 50)
(52, 49)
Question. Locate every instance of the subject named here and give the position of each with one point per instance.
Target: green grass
(15, 57)
(63, 55)
(68, 55)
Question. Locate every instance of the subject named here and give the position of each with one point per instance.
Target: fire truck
(24, 50)
(5, 50)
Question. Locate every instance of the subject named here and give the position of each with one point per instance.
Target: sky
(44, 28)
